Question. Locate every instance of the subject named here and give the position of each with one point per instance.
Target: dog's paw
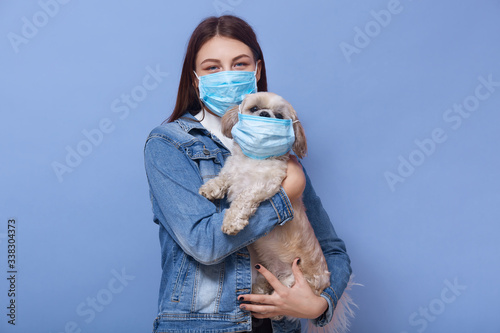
(233, 226)
(211, 192)
(204, 191)
(232, 229)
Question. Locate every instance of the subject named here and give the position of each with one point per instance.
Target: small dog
(248, 182)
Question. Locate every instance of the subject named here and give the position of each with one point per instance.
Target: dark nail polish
(298, 261)
(241, 298)
(257, 266)
(243, 307)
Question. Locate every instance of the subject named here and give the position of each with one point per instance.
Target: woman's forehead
(223, 49)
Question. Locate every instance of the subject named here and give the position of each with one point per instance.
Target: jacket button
(206, 151)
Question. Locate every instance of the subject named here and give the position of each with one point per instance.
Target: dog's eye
(254, 109)
(279, 115)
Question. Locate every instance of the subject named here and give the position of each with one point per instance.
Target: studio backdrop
(400, 102)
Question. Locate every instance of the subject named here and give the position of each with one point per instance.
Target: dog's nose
(265, 114)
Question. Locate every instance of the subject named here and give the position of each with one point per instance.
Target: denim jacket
(205, 270)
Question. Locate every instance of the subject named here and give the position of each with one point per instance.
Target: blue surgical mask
(263, 137)
(222, 90)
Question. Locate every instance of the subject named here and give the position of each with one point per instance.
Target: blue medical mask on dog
(222, 90)
(263, 137)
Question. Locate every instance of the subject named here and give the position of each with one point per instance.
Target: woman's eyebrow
(240, 56)
(210, 60)
(218, 61)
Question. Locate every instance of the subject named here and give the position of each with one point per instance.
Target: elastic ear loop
(255, 74)
(201, 102)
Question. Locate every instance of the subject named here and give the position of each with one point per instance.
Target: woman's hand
(298, 301)
(295, 180)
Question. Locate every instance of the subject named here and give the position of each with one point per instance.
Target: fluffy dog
(248, 182)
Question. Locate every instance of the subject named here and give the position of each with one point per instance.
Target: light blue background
(360, 112)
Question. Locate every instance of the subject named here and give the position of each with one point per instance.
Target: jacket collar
(188, 122)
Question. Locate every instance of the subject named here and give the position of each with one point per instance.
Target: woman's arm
(295, 180)
(193, 221)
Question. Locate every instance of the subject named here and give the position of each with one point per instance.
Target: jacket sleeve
(193, 221)
(334, 251)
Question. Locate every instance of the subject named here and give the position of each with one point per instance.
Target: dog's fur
(248, 182)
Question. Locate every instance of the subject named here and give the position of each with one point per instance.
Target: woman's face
(225, 54)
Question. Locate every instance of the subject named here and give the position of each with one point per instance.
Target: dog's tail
(341, 315)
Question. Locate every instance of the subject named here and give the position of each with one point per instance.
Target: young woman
(207, 275)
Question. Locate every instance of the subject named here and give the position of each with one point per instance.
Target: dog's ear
(300, 145)
(229, 119)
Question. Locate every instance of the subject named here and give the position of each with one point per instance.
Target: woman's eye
(240, 64)
(211, 68)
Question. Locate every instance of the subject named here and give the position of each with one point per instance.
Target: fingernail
(243, 307)
(298, 261)
(257, 266)
(241, 298)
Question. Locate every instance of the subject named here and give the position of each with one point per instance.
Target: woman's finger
(257, 298)
(297, 272)
(258, 308)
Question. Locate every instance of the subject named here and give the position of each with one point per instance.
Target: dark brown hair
(226, 26)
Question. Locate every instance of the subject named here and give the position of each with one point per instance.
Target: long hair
(226, 26)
